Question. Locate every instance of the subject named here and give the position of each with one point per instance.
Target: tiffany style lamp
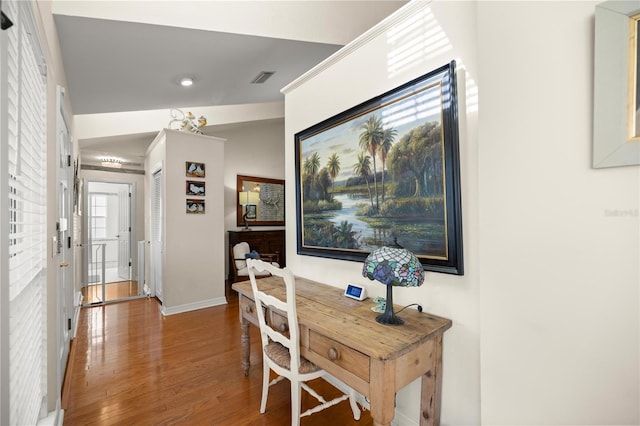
(393, 267)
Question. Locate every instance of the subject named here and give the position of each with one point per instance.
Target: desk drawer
(248, 309)
(345, 357)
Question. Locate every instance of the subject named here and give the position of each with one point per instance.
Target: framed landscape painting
(385, 173)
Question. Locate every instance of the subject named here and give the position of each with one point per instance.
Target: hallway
(131, 365)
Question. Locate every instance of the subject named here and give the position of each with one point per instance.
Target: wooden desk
(341, 336)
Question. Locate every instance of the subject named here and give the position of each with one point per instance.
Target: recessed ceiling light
(186, 82)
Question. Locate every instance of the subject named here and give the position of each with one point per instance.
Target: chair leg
(354, 405)
(265, 386)
(296, 394)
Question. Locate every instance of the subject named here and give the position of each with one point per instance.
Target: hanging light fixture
(112, 162)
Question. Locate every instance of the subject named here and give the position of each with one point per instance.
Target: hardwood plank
(113, 291)
(131, 365)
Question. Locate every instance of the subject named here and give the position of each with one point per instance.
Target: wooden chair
(281, 353)
(239, 261)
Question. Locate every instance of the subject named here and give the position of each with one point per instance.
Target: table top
(324, 308)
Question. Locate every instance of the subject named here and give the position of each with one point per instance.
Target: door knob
(64, 264)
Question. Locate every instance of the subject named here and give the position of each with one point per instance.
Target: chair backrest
(284, 301)
(239, 250)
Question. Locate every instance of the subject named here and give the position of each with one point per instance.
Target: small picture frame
(195, 206)
(251, 211)
(194, 187)
(194, 169)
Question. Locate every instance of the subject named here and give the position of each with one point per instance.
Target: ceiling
(118, 65)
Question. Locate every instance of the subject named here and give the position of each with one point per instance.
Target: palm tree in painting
(333, 166)
(363, 169)
(370, 139)
(312, 164)
(388, 135)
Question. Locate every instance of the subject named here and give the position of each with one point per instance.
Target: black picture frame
(197, 188)
(194, 206)
(412, 199)
(194, 169)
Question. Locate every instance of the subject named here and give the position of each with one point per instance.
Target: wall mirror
(260, 201)
(616, 98)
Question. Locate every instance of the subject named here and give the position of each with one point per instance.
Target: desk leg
(245, 345)
(432, 388)
(382, 392)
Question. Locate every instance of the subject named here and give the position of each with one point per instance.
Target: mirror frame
(239, 209)
(612, 144)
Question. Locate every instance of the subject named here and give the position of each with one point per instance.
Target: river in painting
(421, 236)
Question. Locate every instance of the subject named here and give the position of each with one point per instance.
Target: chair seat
(244, 272)
(279, 354)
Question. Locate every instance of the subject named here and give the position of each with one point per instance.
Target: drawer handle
(248, 309)
(333, 354)
(283, 327)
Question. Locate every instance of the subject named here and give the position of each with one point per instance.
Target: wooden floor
(113, 291)
(131, 366)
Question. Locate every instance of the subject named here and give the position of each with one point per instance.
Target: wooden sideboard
(260, 241)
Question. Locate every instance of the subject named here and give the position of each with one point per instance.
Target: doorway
(109, 274)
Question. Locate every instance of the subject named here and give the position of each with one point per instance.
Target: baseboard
(77, 307)
(402, 420)
(54, 418)
(399, 418)
(193, 306)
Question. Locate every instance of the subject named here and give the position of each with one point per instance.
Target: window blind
(25, 188)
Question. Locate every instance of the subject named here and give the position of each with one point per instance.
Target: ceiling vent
(262, 77)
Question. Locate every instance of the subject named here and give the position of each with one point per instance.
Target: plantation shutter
(23, 165)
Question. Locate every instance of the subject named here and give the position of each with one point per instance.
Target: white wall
(559, 269)
(194, 247)
(363, 73)
(546, 319)
(251, 149)
(55, 76)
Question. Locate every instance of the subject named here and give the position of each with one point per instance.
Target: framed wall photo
(195, 188)
(195, 169)
(385, 172)
(195, 206)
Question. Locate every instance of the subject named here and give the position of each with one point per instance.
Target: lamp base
(246, 224)
(389, 317)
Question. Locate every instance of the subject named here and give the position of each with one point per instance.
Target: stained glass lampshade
(393, 267)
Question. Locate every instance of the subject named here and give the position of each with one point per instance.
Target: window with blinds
(23, 189)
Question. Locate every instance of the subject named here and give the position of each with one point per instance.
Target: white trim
(193, 306)
(53, 418)
(389, 22)
(401, 419)
(77, 305)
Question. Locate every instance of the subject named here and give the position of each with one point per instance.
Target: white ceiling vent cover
(262, 77)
